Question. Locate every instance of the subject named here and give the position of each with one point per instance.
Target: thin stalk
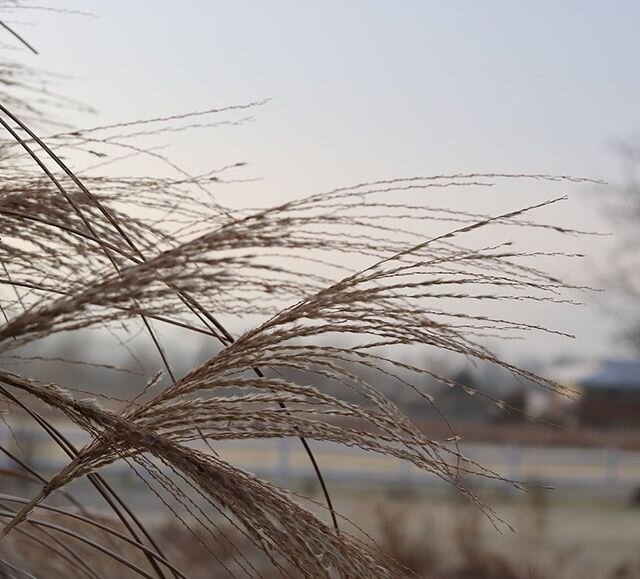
(82, 539)
(97, 480)
(100, 526)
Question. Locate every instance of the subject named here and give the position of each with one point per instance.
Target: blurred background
(359, 91)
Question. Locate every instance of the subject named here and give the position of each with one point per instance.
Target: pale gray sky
(362, 90)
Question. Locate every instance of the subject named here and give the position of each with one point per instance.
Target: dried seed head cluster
(104, 252)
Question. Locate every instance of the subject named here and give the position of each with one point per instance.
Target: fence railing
(609, 472)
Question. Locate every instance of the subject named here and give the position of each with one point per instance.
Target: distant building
(610, 395)
(608, 392)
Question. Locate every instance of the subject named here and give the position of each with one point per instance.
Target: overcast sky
(363, 90)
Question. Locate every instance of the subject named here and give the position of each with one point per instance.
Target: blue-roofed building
(618, 375)
(610, 395)
(609, 392)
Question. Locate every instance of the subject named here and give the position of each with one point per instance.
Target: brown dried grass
(108, 252)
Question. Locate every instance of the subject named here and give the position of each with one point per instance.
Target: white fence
(609, 472)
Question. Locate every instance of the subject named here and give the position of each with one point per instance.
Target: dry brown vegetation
(139, 254)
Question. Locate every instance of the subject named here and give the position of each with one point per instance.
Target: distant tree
(621, 277)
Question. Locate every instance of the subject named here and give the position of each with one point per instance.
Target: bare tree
(620, 277)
